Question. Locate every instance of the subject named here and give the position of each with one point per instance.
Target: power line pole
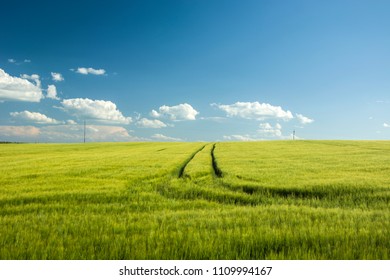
(294, 134)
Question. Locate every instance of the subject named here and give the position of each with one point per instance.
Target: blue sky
(194, 70)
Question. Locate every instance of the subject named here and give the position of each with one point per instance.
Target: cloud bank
(66, 133)
(161, 137)
(15, 133)
(237, 137)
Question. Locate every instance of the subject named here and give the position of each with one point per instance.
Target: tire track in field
(216, 169)
(183, 167)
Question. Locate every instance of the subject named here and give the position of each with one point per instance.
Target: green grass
(275, 200)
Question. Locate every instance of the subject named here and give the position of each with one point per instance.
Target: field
(258, 200)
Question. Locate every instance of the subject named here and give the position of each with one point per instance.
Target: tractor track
(183, 167)
(216, 169)
(217, 172)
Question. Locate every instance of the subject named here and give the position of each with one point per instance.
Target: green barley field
(252, 200)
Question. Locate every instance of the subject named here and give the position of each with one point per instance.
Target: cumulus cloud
(98, 110)
(33, 77)
(71, 122)
(268, 130)
(150, 123)
(386, 125)
(20, 89)
(179, 112)
(33, 117)
(155, 114)
(11, 60)
(57, 77)
(304, 120)
(255, 110)
(52, 92)
(86, 71)
(161, 137)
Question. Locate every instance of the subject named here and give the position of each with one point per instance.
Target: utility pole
(294, 134)
(85, 124)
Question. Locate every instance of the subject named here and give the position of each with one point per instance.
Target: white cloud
(98, 110)
(137, 116)
(33, 77)
(304, 120)
(150, 123)
(237, 137)
(34, 117)
(255, 110)
(19, 89)
(214, 119)
(57, 77)
(52, 92)
(86, 71)
(178, 112)
(161, 137)
(386, 125)
(265, 131)
(155, 114)
(14, 61)
(71, 122)
(268, 130)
